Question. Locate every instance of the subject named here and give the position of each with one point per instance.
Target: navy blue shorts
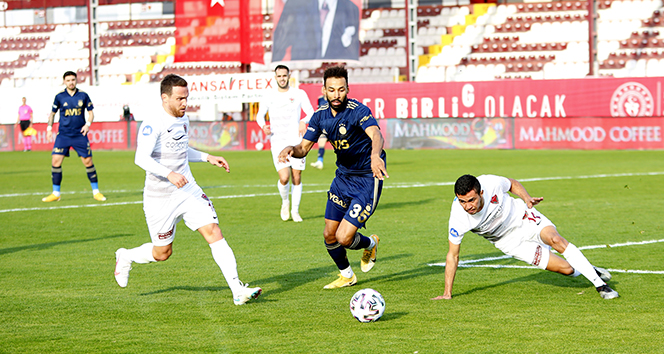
(80, 143)
(353, 198)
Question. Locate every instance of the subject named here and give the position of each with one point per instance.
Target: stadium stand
(463, 42)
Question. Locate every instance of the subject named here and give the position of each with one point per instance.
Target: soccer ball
(367, 305)
(259, 146)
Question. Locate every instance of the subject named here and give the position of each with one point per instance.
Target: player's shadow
(540, 276)
(47, 245)
(285, 282)
(396, 205)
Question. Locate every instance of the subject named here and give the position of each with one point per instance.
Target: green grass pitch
(58, 294)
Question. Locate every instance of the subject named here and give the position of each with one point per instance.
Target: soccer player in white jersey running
(515, 227)
(285, 129)
(171, 193)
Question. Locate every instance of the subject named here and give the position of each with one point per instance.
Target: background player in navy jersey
(72, 133)
(353, 196)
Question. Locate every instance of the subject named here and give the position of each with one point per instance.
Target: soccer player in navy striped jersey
(353, 196)
(72, 134)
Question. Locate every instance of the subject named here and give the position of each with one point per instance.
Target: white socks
(580, 264)
(347, 273)
(225, 258)
(283, 191)
(141, 254)
(297, 196)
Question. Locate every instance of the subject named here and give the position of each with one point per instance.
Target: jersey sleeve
(145, 144)
(457, 228)
(56, 104)
(88, 103)
(313, 130)
(306, 106)
(263, 106)
(194, 155)
(364, 118)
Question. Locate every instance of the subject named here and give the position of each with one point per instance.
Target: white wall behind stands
(79, 14)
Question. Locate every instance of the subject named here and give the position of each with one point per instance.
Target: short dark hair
(68, 73)
(337, 71)
(171, 80)
(281, 66)
(467, 183)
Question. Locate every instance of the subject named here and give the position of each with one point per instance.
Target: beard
(337, 105)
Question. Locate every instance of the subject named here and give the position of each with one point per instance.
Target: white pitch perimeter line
(468, 263)
(396, 185)
(498, 266)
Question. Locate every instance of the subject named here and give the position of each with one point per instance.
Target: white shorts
(163, 214)
(293, 162)
(524, 242)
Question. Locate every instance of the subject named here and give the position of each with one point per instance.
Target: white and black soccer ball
(367, 305)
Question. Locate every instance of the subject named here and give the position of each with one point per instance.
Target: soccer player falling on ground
(72, 133)
(286, 128)
(353, 196)
(171, 193)
(515, 227)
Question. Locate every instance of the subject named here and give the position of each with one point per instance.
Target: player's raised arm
(377, 164)
(519, 190)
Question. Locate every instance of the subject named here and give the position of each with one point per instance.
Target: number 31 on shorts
(359, 214)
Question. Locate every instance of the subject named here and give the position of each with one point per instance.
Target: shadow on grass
(394, 205)
(389, 316)
(286, 282)
(540, 276)
(44, 246)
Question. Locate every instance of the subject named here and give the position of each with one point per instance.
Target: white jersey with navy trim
(501, 212)
(162, 148)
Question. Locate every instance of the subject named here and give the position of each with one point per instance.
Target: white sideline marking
(395, 185)
(468, 263)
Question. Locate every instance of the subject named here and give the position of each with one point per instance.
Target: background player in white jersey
(286, 128)
(171, 193)
(515, 227)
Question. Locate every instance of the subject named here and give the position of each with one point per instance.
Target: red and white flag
(219, 30)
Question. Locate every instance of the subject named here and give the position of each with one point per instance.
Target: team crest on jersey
(342, 129)
(494, 199)
(80, 103)
(185, 128)
(292, 100)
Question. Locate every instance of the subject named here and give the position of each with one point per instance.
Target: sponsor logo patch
(454, 232)
(147, 130)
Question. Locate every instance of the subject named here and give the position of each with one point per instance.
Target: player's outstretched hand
(177, 179)
(378, 168)
(534, 201)
(219, 162)
(285, 154)
(267, 130)
(85, 130)
(49, 136)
